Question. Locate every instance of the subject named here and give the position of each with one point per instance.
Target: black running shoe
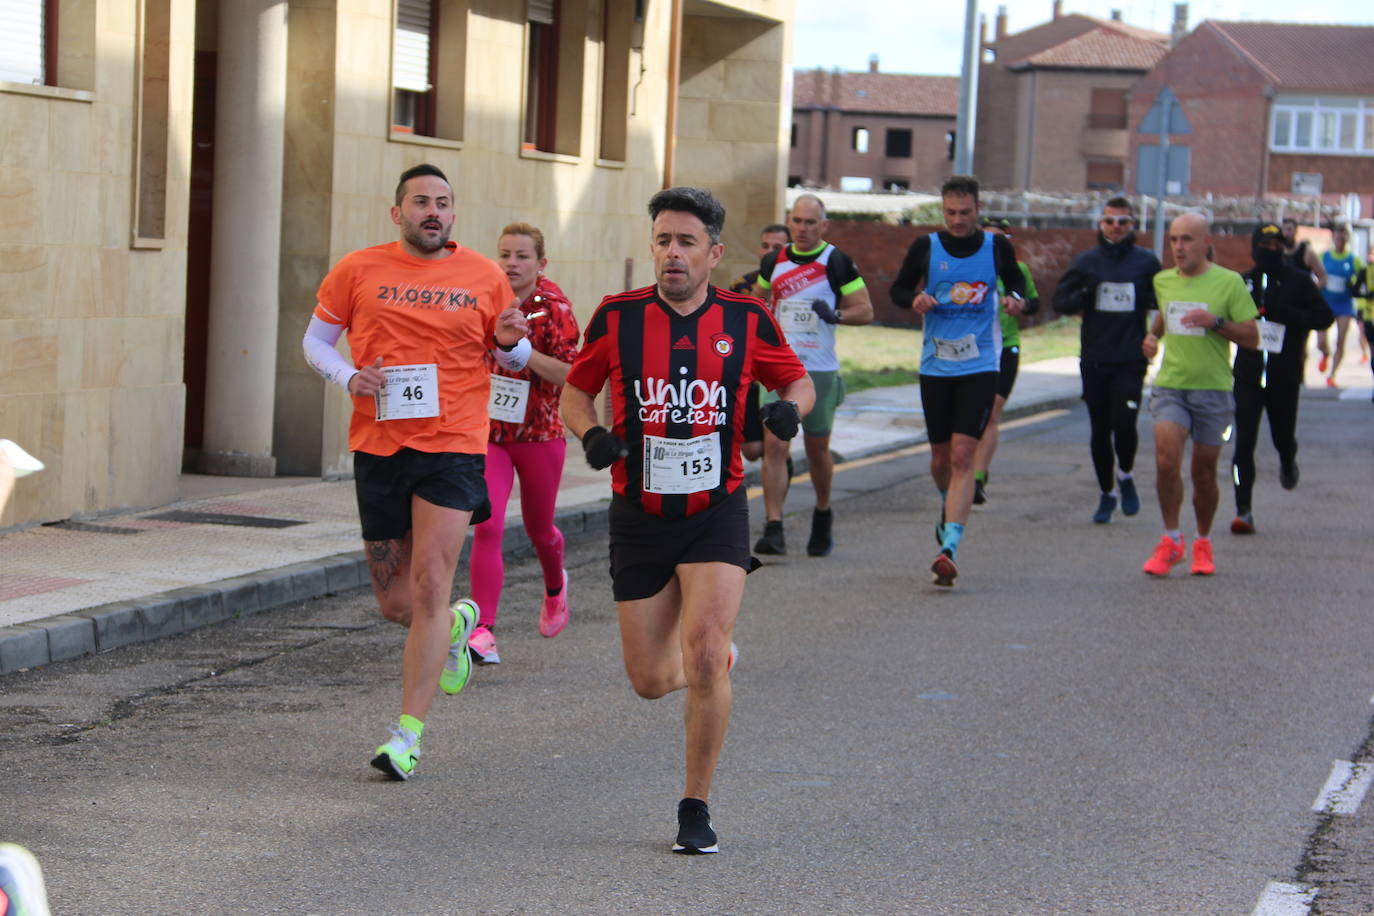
(772, 543)
(821, 542)
(1288, 474)
(695, 835)
(980, 492)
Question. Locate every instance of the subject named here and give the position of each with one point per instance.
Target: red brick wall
(1223, 98)
(1340, 174)
(878, 249)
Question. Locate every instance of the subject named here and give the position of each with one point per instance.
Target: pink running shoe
(1167, 554)
(554, 617)
(482, 645)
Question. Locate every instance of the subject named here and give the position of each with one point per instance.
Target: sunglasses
(1118, 220)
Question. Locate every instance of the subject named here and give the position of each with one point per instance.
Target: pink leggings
(540, 466)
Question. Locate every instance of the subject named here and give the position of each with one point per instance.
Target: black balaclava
(1269, 261)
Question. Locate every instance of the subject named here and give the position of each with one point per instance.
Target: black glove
(603, 447)
(824, 312)
(782, 418)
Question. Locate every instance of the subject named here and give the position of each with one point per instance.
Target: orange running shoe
(1321, 366)
(1244, 523)
(1202, 557)
(1330, 382)
(1167, 553)
(944, 569)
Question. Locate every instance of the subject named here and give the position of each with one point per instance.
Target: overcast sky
(928, 37)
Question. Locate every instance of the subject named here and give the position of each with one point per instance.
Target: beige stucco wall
(91, 328)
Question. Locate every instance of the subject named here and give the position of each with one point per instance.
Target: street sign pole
(1163, 173)
(968, 93)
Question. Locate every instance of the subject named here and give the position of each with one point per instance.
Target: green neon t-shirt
(1199, 359)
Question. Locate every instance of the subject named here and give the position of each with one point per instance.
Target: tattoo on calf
(384, 559)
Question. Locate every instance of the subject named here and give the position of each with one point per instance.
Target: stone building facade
(186, 172)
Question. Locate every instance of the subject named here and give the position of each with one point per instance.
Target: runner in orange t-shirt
(421, 314)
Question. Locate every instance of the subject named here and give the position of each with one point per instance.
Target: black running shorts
(1106, 385)
(957, 404)
(386, 483)
(1006, 374)
(646, 549)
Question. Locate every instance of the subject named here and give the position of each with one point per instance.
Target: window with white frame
(1334, 125)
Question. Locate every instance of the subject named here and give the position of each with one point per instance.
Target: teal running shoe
(458, 668)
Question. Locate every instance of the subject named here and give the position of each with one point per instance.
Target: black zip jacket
(1109, 337)
(1293, 300)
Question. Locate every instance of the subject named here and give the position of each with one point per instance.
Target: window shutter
(410, 54)
(541, 11)
(21, 41)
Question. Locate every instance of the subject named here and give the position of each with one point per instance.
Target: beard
(420, 238)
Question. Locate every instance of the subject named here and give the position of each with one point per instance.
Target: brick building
(1274, 108)
(871, 131)
(1052, 102)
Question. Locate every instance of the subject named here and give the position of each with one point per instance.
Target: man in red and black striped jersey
(679, 357)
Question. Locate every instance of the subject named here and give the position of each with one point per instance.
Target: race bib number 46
(510, 399)
(410, 392)
(677, 466)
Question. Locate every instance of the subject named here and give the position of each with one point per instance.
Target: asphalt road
(1058, 734)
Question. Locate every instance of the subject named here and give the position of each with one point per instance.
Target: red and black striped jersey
(678, 388)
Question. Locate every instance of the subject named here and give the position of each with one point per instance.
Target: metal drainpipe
(674, 79)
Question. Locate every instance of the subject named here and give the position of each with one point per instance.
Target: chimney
(1002, 22)
(1180, 27)
(1058, 9)
(1116, 15)
(982, 30)
(872, 63)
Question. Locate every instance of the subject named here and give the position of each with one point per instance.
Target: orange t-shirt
(409, 311)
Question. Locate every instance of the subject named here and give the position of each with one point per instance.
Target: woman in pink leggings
(526, 439)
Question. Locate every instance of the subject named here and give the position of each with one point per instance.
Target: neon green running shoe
(397, 758)
(458, 668)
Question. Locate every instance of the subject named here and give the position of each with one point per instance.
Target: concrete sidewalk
(238, 546)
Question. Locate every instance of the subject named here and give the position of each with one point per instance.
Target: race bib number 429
(410, 392)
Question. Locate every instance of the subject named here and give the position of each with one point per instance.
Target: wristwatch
(1216, 325)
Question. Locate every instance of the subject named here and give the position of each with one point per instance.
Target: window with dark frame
(541, 80)
(1107, 109)
(1106, 176)
(898, 143)
(414, 65)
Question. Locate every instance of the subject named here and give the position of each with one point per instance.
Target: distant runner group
(465, 374)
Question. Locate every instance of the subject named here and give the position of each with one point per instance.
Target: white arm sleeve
(318, 343)
(515, 359)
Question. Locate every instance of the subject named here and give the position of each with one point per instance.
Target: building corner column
(241, 358)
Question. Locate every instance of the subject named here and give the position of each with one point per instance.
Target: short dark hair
(699, 202)
(776, 227)
(416, 171)
(1120, 203)
(1289, 219)
(960, 184)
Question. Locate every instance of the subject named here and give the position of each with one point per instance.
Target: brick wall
(1223, 98)
(925, 169)
(878, 249)
(1340, 174)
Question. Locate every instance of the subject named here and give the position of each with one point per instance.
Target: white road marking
(1281, 899)
(1345, 788)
